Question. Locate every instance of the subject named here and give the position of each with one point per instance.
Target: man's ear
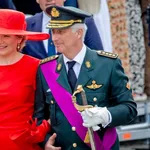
(79, 33)
(37, 1)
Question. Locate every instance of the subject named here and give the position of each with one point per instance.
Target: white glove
(92, 117)
(96, 128)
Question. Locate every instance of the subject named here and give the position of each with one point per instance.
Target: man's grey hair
(77, 26)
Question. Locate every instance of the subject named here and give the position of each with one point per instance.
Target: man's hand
(95, 116)
(50, 143)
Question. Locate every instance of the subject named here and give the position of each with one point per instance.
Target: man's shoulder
(107, 54)
(37, 15)
(48, 59)
(89, 20)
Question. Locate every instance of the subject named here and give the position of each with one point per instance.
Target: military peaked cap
(64, 17)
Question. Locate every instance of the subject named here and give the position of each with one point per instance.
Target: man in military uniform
(96, 80)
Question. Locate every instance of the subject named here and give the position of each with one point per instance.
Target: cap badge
(55, 12)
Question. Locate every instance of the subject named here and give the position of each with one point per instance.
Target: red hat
(13, 22)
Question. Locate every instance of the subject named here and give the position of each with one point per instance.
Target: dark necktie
(51, 47)
(72, 79)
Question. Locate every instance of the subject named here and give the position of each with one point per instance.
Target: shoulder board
(107, 54)
(48, 59)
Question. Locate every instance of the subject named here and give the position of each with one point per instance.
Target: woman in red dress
(17, 85)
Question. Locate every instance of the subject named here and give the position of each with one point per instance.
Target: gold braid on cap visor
(62, 23)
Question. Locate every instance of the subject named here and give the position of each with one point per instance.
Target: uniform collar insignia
(59, 66)
(88, 64)
(94, 86)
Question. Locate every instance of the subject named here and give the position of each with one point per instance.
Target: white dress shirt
(79, 58)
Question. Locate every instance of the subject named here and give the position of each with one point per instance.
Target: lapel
(86, 69)
(36, 26)
(62, 79)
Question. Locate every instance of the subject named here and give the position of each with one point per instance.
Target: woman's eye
(6, 35)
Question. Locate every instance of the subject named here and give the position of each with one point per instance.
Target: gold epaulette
(107, 54)
(49, 59)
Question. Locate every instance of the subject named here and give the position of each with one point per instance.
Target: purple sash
(74, 118)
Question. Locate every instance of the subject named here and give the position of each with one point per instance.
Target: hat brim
(30, 35)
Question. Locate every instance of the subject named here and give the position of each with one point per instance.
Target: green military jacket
(105, 84)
